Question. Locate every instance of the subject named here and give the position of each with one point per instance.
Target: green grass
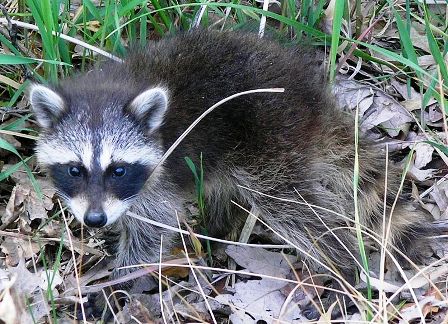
(44, 56)
(198, 175)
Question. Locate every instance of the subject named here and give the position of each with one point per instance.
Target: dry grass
(391, 55)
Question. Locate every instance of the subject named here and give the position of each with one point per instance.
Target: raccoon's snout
(95, 219)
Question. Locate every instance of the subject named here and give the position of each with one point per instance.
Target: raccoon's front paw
(334, 300)
(93, 308)
(97, 307)
(312, 313)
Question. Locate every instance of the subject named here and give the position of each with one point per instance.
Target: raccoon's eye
(119, 172)
(74, 171)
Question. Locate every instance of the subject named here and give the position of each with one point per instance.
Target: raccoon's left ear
(150, 106)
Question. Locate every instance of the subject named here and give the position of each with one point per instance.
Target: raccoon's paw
(97, 307)
(311, 312)
(93, 309)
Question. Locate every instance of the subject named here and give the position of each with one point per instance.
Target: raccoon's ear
(150, 106)
(47, 104)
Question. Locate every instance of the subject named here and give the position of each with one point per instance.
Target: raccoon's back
(201, 68)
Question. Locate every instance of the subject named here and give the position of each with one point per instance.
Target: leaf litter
(259, 290)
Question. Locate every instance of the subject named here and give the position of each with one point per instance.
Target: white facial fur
(78, 206)
(55, 152)
(132, 154)
(113, 208)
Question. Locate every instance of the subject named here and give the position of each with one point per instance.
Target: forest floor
(386, 61)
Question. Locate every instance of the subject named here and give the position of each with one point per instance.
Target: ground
(386, 62)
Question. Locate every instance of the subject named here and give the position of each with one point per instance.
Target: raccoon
(104, 132)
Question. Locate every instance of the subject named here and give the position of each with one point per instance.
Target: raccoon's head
(98, 145)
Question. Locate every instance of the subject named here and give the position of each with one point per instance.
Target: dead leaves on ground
(391, 112)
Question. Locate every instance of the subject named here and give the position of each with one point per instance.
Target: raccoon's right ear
(47, 105)
(150, 107)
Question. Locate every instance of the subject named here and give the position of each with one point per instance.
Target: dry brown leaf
(26, 282)
(25, 200)
(388, 113)
(11, 211)
(419, 174)
(16, 249)
(261, 299)
(137, 310)
(351, 94)
(411, 311)
(433, 209)
(376, 108)
(303, 293)
(380, 285)
(176, 272)
(423, 154)
(434, 113)
(261, 261)
(439, 194)
(55, 280)
(419, 281)
(426, 61)
(408, 93)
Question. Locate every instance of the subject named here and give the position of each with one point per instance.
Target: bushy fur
(295, 145)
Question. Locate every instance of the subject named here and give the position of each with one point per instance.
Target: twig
(70, 39)
(12, 34)
(354, 45)
(263, 19)
(7, 132)
(181, 231)
(160, 280)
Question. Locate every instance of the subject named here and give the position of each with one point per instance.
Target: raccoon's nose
(95, 219)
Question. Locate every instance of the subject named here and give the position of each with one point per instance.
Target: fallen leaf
(26, 282)
(259, 300)
(16, 249)
(24, 285)
(25, 197)
(411, 311)
(11, 212)
(352, 94)
(439, 194)
(50, 280)
(420, 175)
(376, 108)
(416, 282)
(434, 113)
(261, 261)
(423, 154)
(8, 310)
(433, 209)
